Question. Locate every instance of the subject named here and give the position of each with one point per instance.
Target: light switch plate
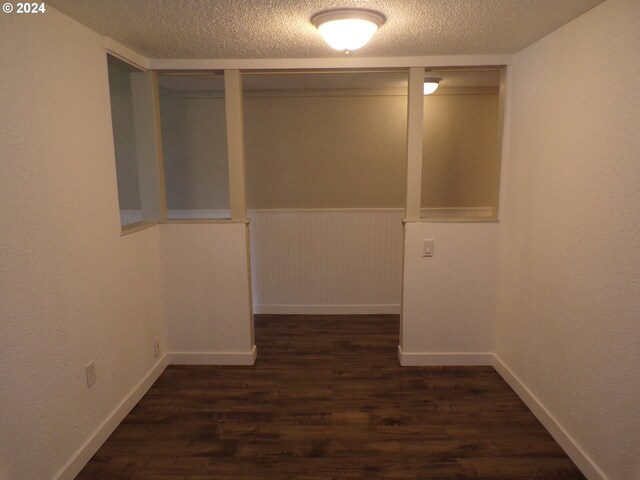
(427, 248)
(90, 373)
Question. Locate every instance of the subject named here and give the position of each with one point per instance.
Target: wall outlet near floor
(156, 347)
(90, 372)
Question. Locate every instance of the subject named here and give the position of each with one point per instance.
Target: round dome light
(347, 29)
(430, 85)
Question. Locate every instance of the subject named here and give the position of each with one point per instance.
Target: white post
(237, 186)
(502, 105)
(415, 109)
(235, 143)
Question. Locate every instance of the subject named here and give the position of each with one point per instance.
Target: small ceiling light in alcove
(347, 29)
(431, 84)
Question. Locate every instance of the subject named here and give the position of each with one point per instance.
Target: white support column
(235, 143)
(148, 136)
(502, 105)
(414, 142)
(237, 185)
(415, 114)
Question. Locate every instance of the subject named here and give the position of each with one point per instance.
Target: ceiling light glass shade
(431, 85)
(347, 29)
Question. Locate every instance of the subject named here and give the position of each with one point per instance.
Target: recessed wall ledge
(136, 227)
(207, 220)
(451, 220)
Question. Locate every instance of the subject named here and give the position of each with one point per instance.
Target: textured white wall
(206, 287)
(569, 307)
(448, 300)
(72, 290)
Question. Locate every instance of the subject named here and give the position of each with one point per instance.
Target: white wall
(569, 308)
(72, 289)
(205, 273)
(449, 300)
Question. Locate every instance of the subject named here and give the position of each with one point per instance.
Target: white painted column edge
(415, 117)
(235, 143)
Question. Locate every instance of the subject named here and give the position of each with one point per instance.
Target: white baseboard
(82, 456)
(427, 359)
(327, 309)
(582, 460)
(213, 358)
(585, 463)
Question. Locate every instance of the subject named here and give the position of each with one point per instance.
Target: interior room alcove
(326, 168)
(127, 328)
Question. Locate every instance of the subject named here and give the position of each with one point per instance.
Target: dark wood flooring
(328, 400)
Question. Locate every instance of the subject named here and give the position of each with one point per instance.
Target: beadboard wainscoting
(328, 261)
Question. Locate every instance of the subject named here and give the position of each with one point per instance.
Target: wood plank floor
(328, 400)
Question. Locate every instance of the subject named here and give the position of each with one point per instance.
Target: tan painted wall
(460, 155)
(193, 130)
(325, 152)
(331, 151)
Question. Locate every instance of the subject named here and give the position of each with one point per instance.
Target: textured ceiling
(332, 81)
(282, 29)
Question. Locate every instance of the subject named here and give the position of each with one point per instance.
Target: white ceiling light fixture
(347, 29)
(431, 84)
